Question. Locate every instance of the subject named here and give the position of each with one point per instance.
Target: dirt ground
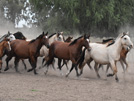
(26, 86)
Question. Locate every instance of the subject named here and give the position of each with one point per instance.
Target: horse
(122, 59)
(53, 37)
(68, 39)
(19, 35)
(67, 51)
(4, 46)
(104, 54)
(22, 49)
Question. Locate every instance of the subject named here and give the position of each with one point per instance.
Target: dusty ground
(54, 87)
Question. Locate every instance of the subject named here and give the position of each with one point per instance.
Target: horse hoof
(28, 70)
(98, 76)
(6, 69)
(66, 75)
(117, 80)
(35, 73)
(108, 75)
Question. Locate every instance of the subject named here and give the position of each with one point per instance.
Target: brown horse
(67, 51)
(22, 49)
(68, 39)
(4, 46)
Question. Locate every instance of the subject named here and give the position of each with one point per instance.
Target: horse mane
(40, 36)
(73, 42)
(51, 35)
(107, 40)
(111, 43)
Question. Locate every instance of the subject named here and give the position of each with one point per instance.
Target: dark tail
(50, 56)
(82, 57)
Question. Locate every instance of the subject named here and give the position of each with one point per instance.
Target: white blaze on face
(46, 36)
(9, 46)
(87, 40)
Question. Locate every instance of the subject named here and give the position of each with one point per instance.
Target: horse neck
(37, 44)
(79, 45)
(118, 46)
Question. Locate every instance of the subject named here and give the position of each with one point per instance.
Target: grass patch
(34, 90)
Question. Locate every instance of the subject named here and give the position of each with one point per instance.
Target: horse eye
(125, 38)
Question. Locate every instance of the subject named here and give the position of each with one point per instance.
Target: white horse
(44, 51)
(103, 54)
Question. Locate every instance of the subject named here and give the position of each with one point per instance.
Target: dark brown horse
(4, 46)
(22, 49)
(67, 51)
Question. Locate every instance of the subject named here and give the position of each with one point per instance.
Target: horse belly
(62, 54)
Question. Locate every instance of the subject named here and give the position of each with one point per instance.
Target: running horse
(67, 51)
(4, 46)
(44, 50)
(104, 54)
(22, 49)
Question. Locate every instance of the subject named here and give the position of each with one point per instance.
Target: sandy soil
(26, 86)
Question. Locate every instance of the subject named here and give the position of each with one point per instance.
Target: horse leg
(7, 60)
(107, 68)
(124, 60)
(59, 65)
(70, 70)
(114, 68)
(33, 62)
(0, 65)
(96, 69)
(88, 63)
(65, 62)
(24, 64)
(16, 63)
(76, 69)
(121, 62)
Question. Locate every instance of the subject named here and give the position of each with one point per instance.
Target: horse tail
(50, 56)
(82, 57)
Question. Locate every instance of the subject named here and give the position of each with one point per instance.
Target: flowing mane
(106, 40)
(40, 36)
(51, 35)
(73, 42)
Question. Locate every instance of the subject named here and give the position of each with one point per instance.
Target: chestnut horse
(68, 39)
(67, 51)
(22, 49)
(4, 46)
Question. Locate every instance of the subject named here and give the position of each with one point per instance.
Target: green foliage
(106, 16)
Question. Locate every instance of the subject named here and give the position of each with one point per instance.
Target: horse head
(126, 41)
(60, 36)
(86, 41)
(45, 40)
(6, 45)
(11, 37)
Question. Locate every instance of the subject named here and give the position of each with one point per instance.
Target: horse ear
(84, 36)
(43, 33)
(127, 33)
(46, 33)
(88, 36)
(61, 33)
